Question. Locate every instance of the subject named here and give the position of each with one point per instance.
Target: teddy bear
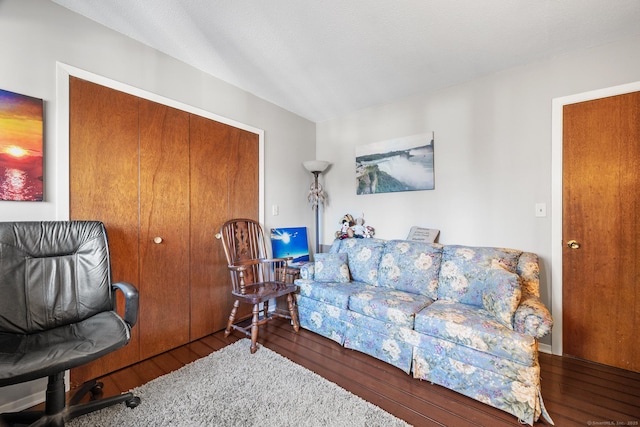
(345, 227)
(359, 230)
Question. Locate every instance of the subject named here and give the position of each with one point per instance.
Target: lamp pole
(317, 207)
(317, 195)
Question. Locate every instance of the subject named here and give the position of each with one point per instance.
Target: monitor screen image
(290, 242)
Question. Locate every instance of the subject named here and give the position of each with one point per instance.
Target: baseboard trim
(545, 348)
(26, 395)
(24, 402)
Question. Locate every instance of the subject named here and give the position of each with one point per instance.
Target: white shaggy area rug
(234, 388)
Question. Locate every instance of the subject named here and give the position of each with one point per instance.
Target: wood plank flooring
(575, 392)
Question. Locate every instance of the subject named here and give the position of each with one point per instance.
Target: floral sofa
(466, 318)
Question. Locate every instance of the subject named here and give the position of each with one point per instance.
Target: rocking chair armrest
(244, 264)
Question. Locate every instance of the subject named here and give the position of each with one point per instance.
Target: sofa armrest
(307, 271)
(532, 317)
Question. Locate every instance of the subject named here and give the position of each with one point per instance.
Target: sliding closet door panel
(164, 228)
(243, 176)
(210, 288)
(220, 156)
(103, 162)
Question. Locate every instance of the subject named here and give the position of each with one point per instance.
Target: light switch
(275, 210)
(541, 210)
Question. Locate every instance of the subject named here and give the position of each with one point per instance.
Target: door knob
(572, 244)
(157, 240)
(218, 236)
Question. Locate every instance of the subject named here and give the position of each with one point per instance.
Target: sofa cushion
(389, 305)
(411, 267)
(364, 257)
(331, 268)
(336, 294)
(476, 328)
(501, 295)
(465, 271)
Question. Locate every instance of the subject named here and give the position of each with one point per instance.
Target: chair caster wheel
(133, 402)
(96, 391)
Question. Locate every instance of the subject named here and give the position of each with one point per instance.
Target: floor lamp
(317, 196)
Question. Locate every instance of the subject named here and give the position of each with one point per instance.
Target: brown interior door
(601, 207)
(103, 125)
(164, 228)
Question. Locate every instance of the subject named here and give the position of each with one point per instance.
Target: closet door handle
(157, 240)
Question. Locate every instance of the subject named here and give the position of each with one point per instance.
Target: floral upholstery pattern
(529, 271)
(532, 317)
(501, 296)
(465, 270)
(411, 267)
(381, 339)
(364, 256)
(475, 328)
(519, 397)
(395, 352)
(307, 270)
(390, 305)
(333, 293)
(324, 319)
(479, 336)
(331, 268)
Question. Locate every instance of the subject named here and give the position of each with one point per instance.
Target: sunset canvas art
(21, 128)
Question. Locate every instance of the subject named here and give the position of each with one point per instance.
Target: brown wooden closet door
(103, 162)
(164, 228)
(221, 156)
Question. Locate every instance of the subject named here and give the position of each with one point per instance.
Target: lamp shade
(316, 165)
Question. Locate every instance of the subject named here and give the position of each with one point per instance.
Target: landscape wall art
(403, 164)
(21, 129)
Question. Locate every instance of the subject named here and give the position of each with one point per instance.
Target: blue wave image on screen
(290, 242)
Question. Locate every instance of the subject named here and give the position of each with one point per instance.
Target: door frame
(61, 178)
(556, 196)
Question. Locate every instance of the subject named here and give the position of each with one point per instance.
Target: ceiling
(324, 59)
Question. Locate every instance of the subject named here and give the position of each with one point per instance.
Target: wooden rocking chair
(255, 278)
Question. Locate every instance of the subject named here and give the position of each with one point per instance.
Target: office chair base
(56, 412)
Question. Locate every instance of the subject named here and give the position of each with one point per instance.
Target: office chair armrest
(130, 301)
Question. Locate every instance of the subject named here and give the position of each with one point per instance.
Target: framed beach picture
(290, 242)
(403, 164)
(21, 129)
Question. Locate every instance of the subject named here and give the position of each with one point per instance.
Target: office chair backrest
(52, 274)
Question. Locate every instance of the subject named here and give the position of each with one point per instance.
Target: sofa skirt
(323, 319)
(383, 347)
(513, 389)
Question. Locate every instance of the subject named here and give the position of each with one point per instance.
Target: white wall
(492, 154)
(36, 34)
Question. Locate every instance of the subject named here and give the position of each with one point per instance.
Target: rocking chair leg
(232, 317)
(254, 327)
(265, 308)
(293, 313)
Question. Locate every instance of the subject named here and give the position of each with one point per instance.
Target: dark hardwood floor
(576, 393)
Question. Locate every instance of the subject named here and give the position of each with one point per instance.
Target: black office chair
(57, 311)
